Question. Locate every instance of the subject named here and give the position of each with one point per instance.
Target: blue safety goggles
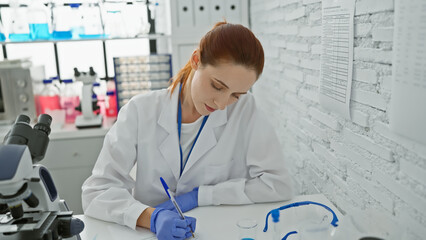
(297, 204)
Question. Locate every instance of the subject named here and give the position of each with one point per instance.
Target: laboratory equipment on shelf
(61, 23)
(87, 106)
(77, 27)
(19, 28)
(91, 21)
(2, 36)
(44, 215)
(38, 20)
(115, 25)
(136, 19)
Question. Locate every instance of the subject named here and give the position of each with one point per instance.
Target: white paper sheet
(408, 100)
(337, 55)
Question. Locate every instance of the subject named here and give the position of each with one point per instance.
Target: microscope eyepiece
(43, 123)
(35, 138)
(45, 119)
(23, 118)
(76, 72)
(91, 71)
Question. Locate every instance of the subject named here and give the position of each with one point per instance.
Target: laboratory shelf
(150, 37)
(146, 36)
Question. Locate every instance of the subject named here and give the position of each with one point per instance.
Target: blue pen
(166, 188)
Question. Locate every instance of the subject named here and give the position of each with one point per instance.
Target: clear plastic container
(91, 21)
(18, 29)
(69, 100)
(247, 229)
(2, 36)
(61, 22)
(136, 19)
(48, 100)
(38, 21)
(77, 27)
(115, 24)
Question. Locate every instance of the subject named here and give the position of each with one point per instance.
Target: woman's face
(215, 87)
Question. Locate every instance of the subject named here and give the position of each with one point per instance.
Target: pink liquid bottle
(48, 98)
(111, 107)
(69, 100)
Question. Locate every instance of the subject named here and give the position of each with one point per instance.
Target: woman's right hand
(168, 225)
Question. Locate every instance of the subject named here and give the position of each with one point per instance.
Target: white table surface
(213, 222)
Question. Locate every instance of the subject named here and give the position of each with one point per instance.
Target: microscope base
(37, 226)
(95, 121)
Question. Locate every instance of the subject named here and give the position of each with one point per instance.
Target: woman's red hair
(226, 42)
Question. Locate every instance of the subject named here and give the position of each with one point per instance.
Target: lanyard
(182, 165)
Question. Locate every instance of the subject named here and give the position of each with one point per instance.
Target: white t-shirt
(187, 136)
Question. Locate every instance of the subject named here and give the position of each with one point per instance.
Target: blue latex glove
(186, 201)
(167, 225)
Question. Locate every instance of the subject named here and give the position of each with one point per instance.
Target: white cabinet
(70, 162)
(70, 157)
(192, 19)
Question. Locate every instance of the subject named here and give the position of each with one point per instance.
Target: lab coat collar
(169, 148)
(207, 139)
(168, 116)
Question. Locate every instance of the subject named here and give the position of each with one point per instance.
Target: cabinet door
(185, 13)
(72, 152)
(202, 13)
(68, 183)
(70, 162)
(233, 11)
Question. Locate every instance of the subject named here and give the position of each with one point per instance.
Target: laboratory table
(213, 222)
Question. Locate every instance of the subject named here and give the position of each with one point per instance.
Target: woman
(204, 135)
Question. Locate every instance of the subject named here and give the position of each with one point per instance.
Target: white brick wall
(357, 164)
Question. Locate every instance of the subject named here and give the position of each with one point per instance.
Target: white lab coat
(237, 159)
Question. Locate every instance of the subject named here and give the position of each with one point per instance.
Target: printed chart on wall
(408, 100)
(337, 55)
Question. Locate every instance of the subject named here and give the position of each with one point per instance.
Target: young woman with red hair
(204, 135)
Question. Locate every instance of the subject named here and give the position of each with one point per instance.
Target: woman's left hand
(186, 201)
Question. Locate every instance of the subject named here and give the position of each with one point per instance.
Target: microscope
(30, 207)
(88, 119)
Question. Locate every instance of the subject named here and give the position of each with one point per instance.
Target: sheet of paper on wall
(337, 55)
(407, 114)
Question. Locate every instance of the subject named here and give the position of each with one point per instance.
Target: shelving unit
(152, 37)
(134, 75)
